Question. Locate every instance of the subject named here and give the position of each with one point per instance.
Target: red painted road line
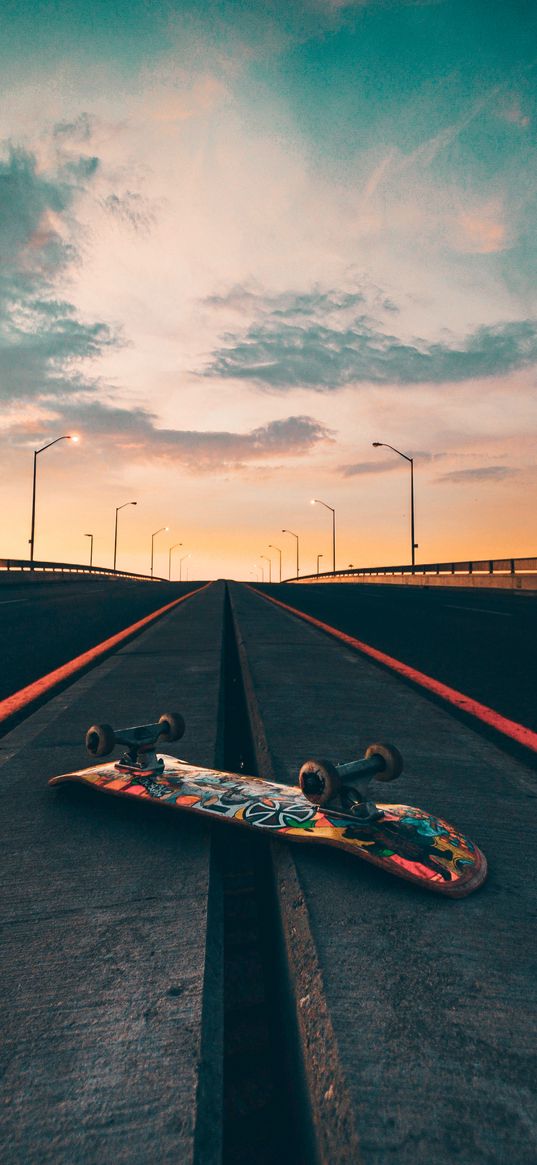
(68, 671)
(482, 712)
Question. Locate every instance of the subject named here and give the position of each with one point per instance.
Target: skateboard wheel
(173, 725)
(392, 758)
(100, 739)
(319, 781)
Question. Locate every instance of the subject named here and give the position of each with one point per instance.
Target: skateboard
(333, 804)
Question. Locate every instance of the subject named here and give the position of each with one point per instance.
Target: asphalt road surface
(43, 625)
(482, 643)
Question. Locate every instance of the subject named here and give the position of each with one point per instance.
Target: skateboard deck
(405, 841)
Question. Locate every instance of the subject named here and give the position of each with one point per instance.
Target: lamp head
(74, 437)
(376, 444)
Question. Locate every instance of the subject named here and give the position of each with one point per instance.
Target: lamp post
(271, 547)
(170, 557)
(66, 437)
(413, 544)
(267, 559)
(118, 508)
(181, 560)
(318, 502)
(318, 557)
(91, 548)
(153, 536)
(294, 536)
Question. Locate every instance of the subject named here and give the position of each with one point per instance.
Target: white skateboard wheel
(392, 758)
(319, 781)
(100, 739)
(173, 725)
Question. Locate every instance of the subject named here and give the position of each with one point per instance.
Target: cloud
(131, 209)
(362, 468)
(134, 434)
(323, 341)
(43, 341)
(481, 473)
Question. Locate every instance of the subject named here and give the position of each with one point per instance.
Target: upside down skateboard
(332, 806)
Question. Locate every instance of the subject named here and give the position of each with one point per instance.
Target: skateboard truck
(140, 757)
(345, 788)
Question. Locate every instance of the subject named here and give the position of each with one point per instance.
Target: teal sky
(241, 241)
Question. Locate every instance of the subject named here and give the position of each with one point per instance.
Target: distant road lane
(482, 643)
(43, 625)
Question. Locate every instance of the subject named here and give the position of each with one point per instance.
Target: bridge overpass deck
(403, 1020)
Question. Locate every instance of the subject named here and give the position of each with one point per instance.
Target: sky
(241, 241)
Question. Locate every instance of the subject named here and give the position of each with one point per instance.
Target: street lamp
(267, 559)
(170, 557)
(91, 548)
(383, 445)
(318, 502)
(153, 536)
(271, 547)
(66, 437)
(118, 508)
(318, 557)
(181, 560)
(294, 536)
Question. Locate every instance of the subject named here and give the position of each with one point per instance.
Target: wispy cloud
(364, 468)
(325, 340)
(481, 473)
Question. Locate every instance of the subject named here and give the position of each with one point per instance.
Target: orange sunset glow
(226, 287)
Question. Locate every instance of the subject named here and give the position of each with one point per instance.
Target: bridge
(168, 993)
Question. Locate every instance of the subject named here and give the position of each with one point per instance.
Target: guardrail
(482, 566)
(23, 565)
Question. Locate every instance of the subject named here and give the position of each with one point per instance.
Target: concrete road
(416, 1014)
(483, 644)
(45, 625)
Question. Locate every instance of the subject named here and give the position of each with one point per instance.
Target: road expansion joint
(323, 1107)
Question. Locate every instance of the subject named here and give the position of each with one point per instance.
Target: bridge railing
(488, 566)
(23, 565)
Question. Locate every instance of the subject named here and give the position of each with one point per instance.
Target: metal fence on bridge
(24, 566)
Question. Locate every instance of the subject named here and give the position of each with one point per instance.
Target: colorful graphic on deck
(407, 841)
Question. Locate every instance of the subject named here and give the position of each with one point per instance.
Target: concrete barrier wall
(494, 582)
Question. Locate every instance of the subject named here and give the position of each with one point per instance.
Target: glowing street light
(153, 536)
(66, 437)
(383, 445)
(318, 502)
(170, 557)
(294, 536)
(271, 547)
(118, 508)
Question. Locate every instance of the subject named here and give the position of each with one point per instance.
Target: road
(482, 643)
(167, 986)
(46, 624)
